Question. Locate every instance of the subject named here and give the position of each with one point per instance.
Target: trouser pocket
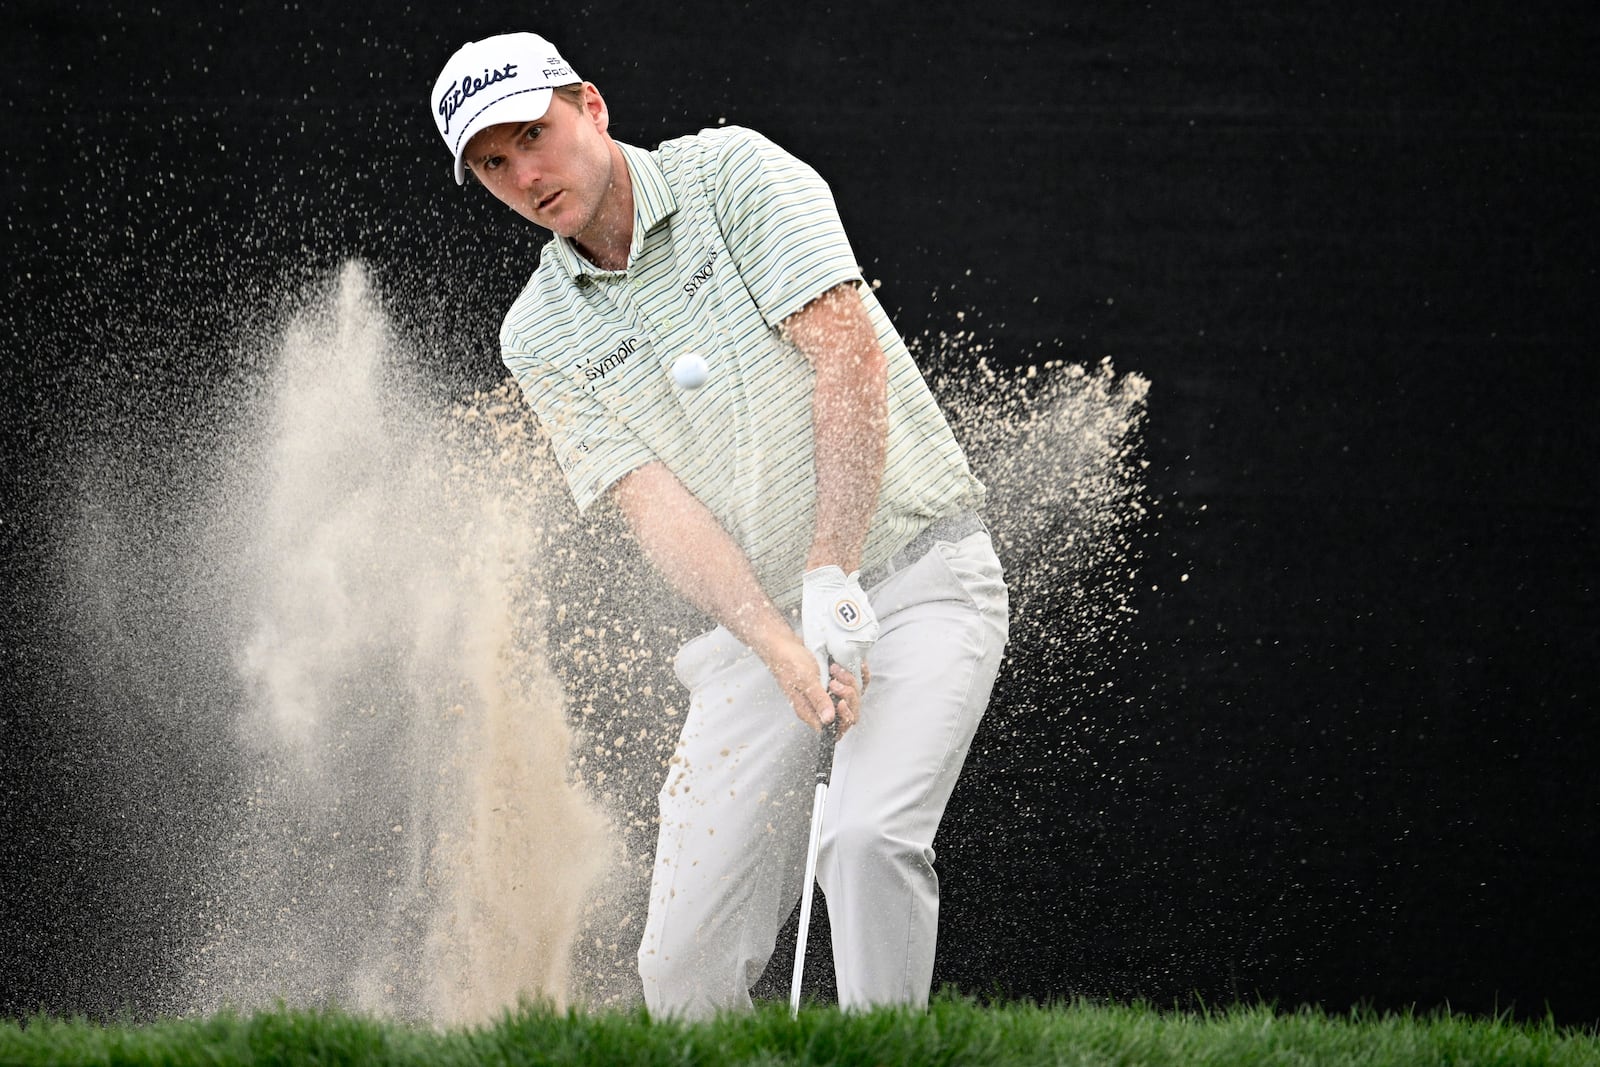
(701, 658)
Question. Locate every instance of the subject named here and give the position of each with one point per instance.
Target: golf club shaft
(819, 800)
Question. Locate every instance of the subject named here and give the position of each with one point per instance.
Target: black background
(1351, 756)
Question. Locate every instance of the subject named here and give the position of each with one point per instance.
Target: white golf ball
(690, 370)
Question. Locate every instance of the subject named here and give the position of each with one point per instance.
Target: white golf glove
(836, 619)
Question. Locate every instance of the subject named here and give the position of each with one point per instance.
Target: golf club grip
(830, 734)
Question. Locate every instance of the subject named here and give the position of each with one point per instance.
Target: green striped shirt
(731, 236)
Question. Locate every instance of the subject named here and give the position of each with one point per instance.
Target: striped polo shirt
(731, 236)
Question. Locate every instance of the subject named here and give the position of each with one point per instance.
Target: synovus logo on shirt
(702, 274)
(597, 369)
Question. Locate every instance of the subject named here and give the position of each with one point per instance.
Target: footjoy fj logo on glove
(847, 613)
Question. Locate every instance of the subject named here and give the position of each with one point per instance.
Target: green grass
(952, 1031)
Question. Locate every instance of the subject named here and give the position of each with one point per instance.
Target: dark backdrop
(1349, 759)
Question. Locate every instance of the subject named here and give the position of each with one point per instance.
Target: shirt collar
(653, 202)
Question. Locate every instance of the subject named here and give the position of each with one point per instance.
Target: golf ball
(689, 370)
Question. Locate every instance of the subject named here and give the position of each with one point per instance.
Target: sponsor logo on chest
(702, 274)
(596, 370)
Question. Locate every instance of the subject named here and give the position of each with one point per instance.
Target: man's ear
(594, 105)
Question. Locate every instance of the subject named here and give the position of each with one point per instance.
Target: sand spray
(443, 710)
(407, 838)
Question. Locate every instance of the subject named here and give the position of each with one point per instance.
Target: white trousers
(736, 803)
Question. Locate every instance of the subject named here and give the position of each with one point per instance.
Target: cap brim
(523, 106)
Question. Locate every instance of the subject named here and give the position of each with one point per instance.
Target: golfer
(808, 496)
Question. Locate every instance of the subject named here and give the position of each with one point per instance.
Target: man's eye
(532, 133)
(493, 162)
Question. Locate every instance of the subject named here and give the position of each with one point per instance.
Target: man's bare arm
(686, 543)
(850, 420)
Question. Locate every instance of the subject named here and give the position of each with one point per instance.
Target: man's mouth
(547, 201)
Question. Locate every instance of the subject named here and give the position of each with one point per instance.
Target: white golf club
(830, 734)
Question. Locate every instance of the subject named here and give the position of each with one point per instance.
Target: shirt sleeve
(593, 448)
(780, 224)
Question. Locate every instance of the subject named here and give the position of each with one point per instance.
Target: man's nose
(524, 170)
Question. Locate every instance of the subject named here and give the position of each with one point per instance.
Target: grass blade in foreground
(953, 1031)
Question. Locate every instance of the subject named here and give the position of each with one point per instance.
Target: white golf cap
(498, 79)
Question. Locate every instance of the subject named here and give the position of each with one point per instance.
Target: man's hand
(795, 668)
(837, 618)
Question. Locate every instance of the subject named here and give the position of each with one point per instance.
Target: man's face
(554, 171)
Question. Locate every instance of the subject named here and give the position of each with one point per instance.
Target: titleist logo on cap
(469, 86)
